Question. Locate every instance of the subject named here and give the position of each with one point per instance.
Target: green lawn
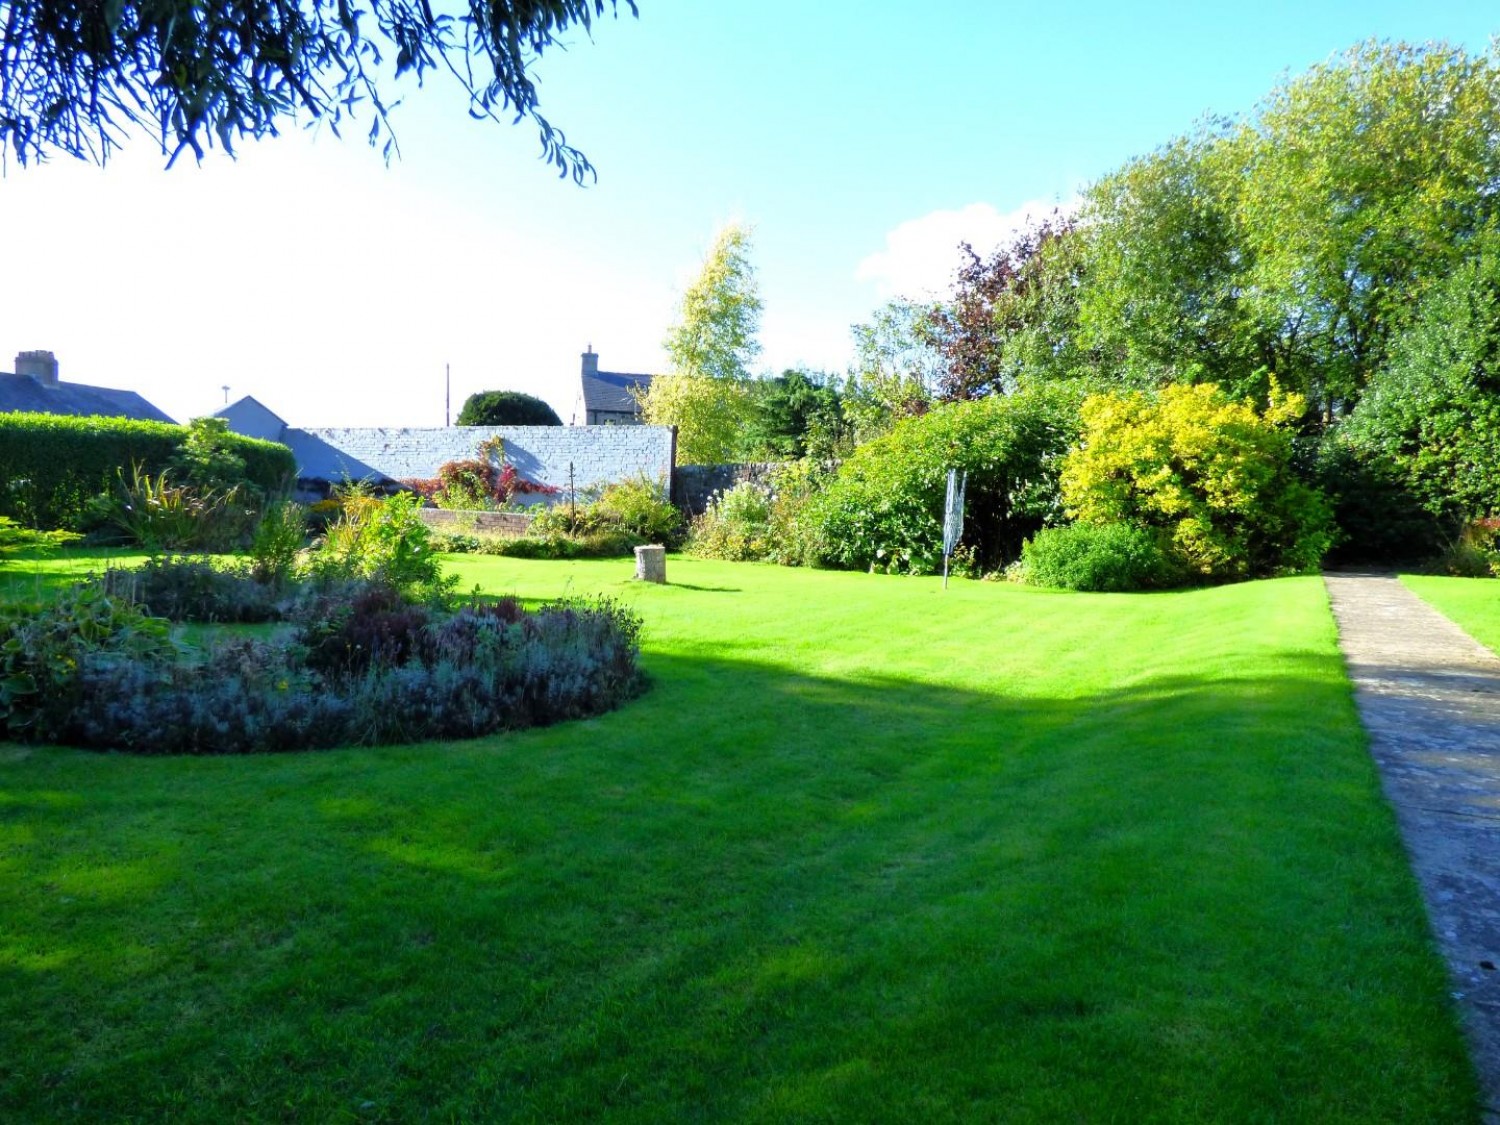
(1472, 602)
(867, 851)
(33, 574)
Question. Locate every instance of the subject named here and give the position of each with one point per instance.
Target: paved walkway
(1429, 695)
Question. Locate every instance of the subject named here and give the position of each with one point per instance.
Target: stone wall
(507, 525)
(597, 454)
(693, 485)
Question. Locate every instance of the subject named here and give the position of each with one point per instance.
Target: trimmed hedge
(51, 464)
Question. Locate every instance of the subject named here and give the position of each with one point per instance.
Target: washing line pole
(953, 517)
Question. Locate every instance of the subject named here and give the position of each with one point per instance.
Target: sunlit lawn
(1472, 602)
(868, 850)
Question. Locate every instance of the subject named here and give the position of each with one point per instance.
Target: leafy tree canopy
(717, 323)
(994, 300)
(896, 368)
(796, 414)
(710, 415)
(1165, 273)
(706, 395)
(506, 408)
(1433, 414)
(75, 75)
(1291, 245)
(1360, 182)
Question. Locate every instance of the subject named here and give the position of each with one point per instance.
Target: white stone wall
(598, 454)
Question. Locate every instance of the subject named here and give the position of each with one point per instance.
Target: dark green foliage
(74, 75)
(194, 588)
(797, 414)
(52, 465)
(884, 507)
(1380, 519)
(1430, 420)
(162, 514)
(208, 456)
(1113, 557)
(506, 408)
(43, 648)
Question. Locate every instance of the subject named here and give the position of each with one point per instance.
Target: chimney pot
(591, 361)
(41, 366)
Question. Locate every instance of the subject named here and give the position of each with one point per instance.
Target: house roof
(253, 418)
(22, 392)
(610, 391)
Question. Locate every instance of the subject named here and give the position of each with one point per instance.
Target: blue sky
(862, 141)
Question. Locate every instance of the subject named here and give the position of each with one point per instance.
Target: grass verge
(1474, 603)
(867, 851)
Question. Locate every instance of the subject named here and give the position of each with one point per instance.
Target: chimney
(590, 361)
(41, 366)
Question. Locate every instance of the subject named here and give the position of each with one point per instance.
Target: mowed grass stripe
(868, 850)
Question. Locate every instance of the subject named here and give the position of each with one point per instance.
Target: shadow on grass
(750, 895)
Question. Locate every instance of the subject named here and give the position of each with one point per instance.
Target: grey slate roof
(22, 392)
(609, 391)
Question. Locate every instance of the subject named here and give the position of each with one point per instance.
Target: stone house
(608, 397)
(34, 387)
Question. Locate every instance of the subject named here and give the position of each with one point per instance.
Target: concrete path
(1429, 695)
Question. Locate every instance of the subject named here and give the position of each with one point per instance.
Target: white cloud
(921, 255)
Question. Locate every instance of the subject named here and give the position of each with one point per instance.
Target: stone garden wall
(507, 525)
(692, 485)
(597, 454)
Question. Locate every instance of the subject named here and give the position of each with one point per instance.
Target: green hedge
(51, 464)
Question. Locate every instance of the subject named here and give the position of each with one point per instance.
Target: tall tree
(1432, 415)
(1166, 272)
(76, 74)
(719, 316)
(994, 299)
(896, 369)
(706, 393)
(711, 415)
(1360, 182)
(796, 414)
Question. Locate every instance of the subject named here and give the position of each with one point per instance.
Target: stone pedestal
(651, 564)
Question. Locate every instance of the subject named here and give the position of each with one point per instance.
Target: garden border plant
(378, 653)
